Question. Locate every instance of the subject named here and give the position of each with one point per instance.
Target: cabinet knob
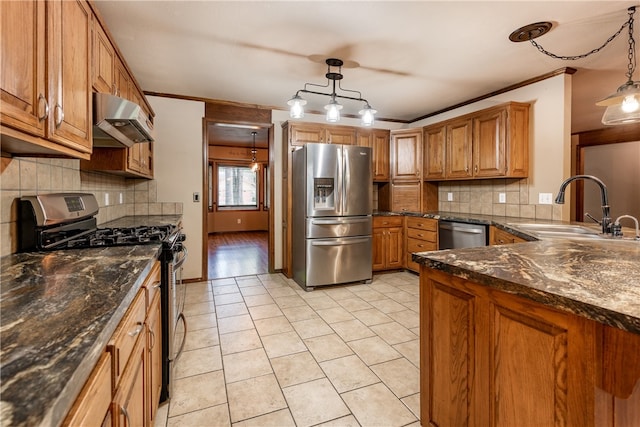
(59, 115)
(45, 111)
(475, 169)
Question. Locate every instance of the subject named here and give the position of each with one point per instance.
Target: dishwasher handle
(461, 229)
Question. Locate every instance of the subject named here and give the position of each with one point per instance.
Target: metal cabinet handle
(137, 330)
(155, 285)
(126, 415)
(153, 340)
(42, 99)
(475, 169)
(59, 115)
(466, 169)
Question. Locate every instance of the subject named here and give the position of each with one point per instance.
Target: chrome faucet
(606, 219)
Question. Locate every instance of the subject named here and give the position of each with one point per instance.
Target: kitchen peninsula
(529, 334)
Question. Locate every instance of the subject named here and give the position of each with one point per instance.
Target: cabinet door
(518, 140)
(434, 153)
(378, 247)
(103, 61)
(489, 139)
(459, 149)
(23, 100)
(122, 80)
(380, 148)
(69, 61)
(93, 404)
(406, 155)
(300, 134)
(129, 400)
(340, 135)
(405, 197)
(154, 359)
(395, 248)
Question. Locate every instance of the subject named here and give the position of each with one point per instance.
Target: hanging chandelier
(333, 108)
(623, 106)
(254, 162)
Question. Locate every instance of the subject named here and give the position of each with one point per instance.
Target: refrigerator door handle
(335, 221)
(343, 242)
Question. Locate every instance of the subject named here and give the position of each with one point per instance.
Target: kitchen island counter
(58, 310)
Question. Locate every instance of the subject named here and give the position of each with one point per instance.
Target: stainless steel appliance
(57, 221)
(119, 122)
(331, 215)
(456, 235)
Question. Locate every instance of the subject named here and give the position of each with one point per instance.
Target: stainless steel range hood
(118, 122)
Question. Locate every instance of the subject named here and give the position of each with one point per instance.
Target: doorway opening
(238, 197)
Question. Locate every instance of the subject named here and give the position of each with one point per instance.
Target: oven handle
(184, 337)
(183, 258)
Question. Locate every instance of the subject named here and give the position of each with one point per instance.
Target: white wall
(550, 137)
(178, 168)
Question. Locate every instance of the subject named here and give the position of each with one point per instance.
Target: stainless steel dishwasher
(455, 235)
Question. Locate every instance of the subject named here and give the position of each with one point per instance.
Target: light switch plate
(449, 197)
(196, 197)
(502, 197)
(545, 198)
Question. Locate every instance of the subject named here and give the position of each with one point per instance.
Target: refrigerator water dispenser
(323, 191)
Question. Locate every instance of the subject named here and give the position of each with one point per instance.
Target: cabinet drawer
(415, 245)
(423, 235)
(92, 405)
(423, 223)
(121, 344)
(387, 221)
(502, 237)
(152, 284)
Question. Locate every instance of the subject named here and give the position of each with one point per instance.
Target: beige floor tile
(312, 328)
(201, 321)
(340, 292)
(254, 300)
(197, 392)
(199, 308)
(336, 314)
(401, 296)
(413, 306)
(373, 350)
(368, 294)
(213, 416)
(348, 421)
(415, 330)
(235, 324)
(348, 373)
(198, 361)
(228, 298)
(235, 342)
(400, 375)
(228, 310)
(201, 338)
(223, 282)
(225, 289)
(295, 314)
(245, 365)
(327, 347)
(413, 403)
(290, 301)
(281, 418)
(314, 402)
(350, 330)
(407, 318)
(282, 344)
(283, 291)
(376, 405)
(193, 297)
(265, 311)
(253, 290)
(273, 325)
(410, 350)
(322, 303)
(245, 281)
(353, 304)
(296, 368)
(388, 305)
(373, 316)
(253, 397)
(393, 333)
(161, 415)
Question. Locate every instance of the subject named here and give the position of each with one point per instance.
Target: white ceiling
(415, 58)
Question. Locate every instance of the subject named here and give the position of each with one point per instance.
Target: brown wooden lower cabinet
(490, 359)
(387, 242)
(498, 236)
(422, 235)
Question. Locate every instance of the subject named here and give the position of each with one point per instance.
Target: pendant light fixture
(623, 106)
(333, 108)
(254, 162)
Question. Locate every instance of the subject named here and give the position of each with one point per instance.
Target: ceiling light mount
(254, 162)
(623, 106)
(333, 75)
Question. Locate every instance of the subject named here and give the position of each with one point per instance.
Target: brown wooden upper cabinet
(406, 155)
(489, 143)
(302, 133)
(47, 110)
(378, 141)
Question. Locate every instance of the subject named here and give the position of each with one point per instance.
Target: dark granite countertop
(146, 220)
(597, 279)
(57, 312)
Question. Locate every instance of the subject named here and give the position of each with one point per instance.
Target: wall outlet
(196, 197)
(545, 198)
(120, 198)
(502, 197)
(106, 199)
(239, 221)
(449, 197)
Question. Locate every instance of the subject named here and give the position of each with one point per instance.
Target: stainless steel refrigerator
(332, 202)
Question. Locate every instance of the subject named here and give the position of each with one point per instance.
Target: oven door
(177, 319)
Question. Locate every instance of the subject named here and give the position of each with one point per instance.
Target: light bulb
(367, 114)
(297, 107)
(630, 104)
(333, 111)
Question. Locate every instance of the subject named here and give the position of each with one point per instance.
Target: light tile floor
(263, 352)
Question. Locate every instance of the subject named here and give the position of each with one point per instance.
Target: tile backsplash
(483, 197)
(117, 196)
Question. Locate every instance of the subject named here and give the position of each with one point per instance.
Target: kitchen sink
(559, 231)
